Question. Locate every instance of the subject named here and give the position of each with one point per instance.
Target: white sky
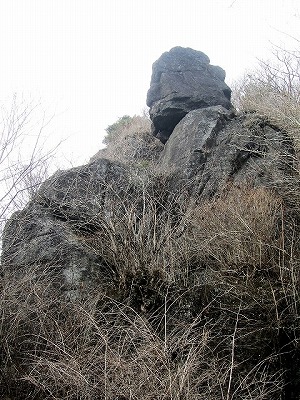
(89, 62)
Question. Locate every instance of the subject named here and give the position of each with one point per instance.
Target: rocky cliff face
(212, 147)
(208, 148)
(49, 231)
(207, 241)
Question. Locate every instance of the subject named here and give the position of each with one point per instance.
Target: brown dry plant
(272, 91)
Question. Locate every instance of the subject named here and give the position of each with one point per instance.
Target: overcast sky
(88, 62)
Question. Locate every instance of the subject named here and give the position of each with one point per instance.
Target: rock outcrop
(182, 263)
(211, 147)
(183, 80)
(68, 206)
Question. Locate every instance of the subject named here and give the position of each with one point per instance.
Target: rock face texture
(50, 229)
(212, 147)
(183, 80)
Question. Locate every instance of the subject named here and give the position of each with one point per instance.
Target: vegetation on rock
(130, 142)
(157, 290)
(272, 91)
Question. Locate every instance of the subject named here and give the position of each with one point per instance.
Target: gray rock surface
(210, 148)
(183, 80)
(68, 207)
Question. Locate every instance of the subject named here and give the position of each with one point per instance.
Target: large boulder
(71, 205)
(210, 148)
(183, 80)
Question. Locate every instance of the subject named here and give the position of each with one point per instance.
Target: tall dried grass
(202, 298)
(272, 91)
(132, 143)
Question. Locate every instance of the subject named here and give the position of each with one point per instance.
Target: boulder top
(180, 59)
(183, 80)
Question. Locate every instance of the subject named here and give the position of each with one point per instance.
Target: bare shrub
(131, 142)
(273, 91)
(23, 162)
(142, 232)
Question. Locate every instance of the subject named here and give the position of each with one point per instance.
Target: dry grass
(101, 348)
(238, 227)
(201, 309)
(272, 91)
(132, 143)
